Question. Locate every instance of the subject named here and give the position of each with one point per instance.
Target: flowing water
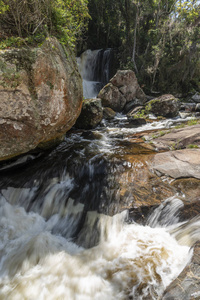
(94, 67)
(64, 235)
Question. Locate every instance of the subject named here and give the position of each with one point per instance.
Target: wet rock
(121, 89)
(188, 107)
(91, 114)
(179, 138)
(137, 121)
(187, 285)
(108, 113)
(178, 164)
(40, 96)
(165, 105)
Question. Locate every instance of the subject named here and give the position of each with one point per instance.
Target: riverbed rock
(196, 98)
(91, 114)
(179, 138)
(187, 285)
(108, 113)
(40, 96)
(121, 89)
(165, 105)
(178, 164)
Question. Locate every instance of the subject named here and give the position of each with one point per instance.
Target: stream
(65, 233)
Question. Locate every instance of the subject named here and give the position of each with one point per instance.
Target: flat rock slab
(178, 164)
(179, 138)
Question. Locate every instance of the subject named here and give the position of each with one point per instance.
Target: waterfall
(94, 67)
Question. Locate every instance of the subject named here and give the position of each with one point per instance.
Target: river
(65, 235)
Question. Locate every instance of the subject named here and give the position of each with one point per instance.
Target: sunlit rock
(40, 96)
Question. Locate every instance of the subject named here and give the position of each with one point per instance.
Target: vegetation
(31, 21)
(158, 39)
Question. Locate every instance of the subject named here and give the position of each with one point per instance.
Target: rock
(196, 98)
(91, 114)
(111, 97)
(197, 107)
(135, 111)
(187, 285)
(179, 138)
(188, 107)
(178, 164)
(128, 85)
(108, 113)
(121, 89)
(165, 105)
(132, 105)
(137, 121)
(40, 96)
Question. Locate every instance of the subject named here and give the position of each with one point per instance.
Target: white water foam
(130, 260)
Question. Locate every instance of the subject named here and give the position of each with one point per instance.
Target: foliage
(158, 39)
(30, 21)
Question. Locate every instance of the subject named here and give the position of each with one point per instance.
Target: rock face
(165, 105)
(178, 164)
(121, 89)
(40, 96)
(91, 114)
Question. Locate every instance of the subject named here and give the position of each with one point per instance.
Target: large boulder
(165, 105)
(40, 96)
(91, 114)
(121, 89)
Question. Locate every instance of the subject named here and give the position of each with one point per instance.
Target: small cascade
(94, 67)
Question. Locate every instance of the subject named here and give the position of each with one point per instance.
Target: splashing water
(130, 262)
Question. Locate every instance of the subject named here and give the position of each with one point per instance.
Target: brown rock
(40, 96)
(122, 88)
(111, 97)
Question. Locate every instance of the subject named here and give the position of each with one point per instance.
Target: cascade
(65, 235)
(94, 67)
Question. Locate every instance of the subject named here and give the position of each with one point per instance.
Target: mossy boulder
(40, 97)
(165, 106)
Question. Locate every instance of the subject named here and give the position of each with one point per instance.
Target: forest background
(158, 39)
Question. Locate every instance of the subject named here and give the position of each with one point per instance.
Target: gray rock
(165, 105)
(196, 98)
(91, 114)
(178, 164)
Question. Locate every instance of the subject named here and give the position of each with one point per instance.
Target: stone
(91, 114)
(108, 113)
(178, 164)
(196, 98)
(165, 105)
(187, 285)
(197, 107)
(179, 138)
(132, 105)
(111, 97)
(121, 89)
(40, 96)
(128, 85)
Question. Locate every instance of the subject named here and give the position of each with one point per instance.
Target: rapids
(58, 238)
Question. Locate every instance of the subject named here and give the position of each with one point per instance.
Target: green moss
(191, 146)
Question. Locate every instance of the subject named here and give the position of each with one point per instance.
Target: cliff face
(40, 97)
